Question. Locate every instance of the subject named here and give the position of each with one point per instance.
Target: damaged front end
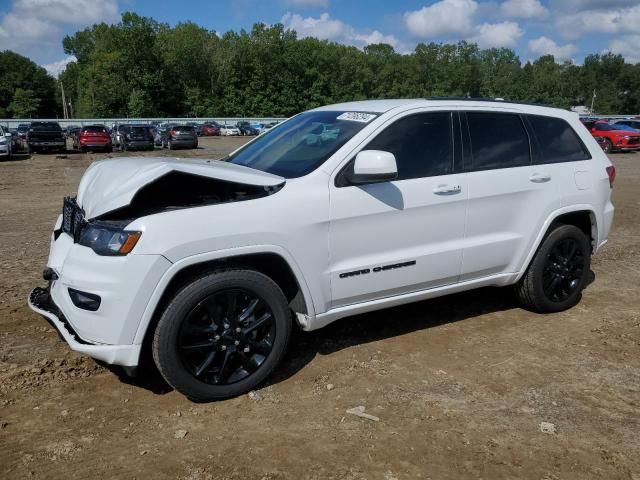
(178, 190)
(128, 188)
(106, 235)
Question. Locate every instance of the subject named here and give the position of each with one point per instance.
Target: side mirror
(373, 166)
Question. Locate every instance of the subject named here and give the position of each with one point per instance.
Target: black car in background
(246, 128)
(46, 136)
(180, 136)
(136, 137)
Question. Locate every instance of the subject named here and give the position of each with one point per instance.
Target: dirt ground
(460, 384)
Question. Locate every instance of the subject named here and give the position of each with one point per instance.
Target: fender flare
(550, 219)
(178, 266)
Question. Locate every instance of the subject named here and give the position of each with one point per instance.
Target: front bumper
(124, 285)
(54, 143)
(126, 355)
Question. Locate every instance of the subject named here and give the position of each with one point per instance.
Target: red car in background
(93, 137)
(616, 138)
(210, 129)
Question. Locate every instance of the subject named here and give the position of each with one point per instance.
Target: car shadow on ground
(16, 157)
(355, 330)
(360, 330)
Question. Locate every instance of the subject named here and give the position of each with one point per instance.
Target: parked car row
(620, 135)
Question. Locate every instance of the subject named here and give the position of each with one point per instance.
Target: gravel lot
(462, 385)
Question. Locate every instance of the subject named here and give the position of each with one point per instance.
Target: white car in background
(6, 140)
(228, 130)
(339, 211)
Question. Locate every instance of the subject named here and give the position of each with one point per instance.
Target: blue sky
(569, 29)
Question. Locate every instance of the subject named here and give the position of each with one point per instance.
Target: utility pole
(592, 99)
(64, 102)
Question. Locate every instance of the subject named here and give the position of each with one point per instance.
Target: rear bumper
(179, 142)
(94, 145)
(140, 144)
(40, 301)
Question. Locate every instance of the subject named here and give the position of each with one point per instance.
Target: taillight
(611, 172)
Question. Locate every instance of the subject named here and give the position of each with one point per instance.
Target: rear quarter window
(557, 141)
(498, 140)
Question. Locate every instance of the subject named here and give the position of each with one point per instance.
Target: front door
(405, 235)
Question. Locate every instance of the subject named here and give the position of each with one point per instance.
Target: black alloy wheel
(558, 271)
(227, 336)
(563, 270)
(222, 334)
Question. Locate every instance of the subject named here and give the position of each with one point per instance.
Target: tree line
(141, 68)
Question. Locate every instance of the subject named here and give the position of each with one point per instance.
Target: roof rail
(494, 100)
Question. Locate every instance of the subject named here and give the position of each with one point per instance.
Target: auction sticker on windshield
(356, 117)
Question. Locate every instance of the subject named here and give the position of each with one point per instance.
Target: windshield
(302, 144)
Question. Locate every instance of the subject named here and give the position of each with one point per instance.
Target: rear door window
(557, 141)
(498, 140)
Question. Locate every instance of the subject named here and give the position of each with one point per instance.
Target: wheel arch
(582, 216)
(272, 261)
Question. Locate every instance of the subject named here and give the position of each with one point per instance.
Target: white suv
(337, 211)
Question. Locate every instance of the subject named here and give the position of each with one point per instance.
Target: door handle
(447, 189)
(540, 177)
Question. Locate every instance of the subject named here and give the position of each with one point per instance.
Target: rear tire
(558, 271)
(210, 347)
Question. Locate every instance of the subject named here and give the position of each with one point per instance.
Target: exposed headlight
(108, 239)
(626, 137)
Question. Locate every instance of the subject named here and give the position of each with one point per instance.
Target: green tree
(25, 104)
(21, 83)
(142, 67)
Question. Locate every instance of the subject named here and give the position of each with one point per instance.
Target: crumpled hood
(111, 184)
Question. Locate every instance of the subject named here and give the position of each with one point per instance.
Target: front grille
(72, 218)
(634, 141)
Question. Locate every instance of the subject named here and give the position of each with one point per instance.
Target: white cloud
(523, 9)
(495, 35)
(443, 18)
(72, 12)
(612, 21)
(628, 47)
(327, 28)
(56, 68)
(35, 27)
(574, 6)
(308, 3)
(545, 46)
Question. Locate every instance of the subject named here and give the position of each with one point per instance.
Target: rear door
(406, 235)
(509, 196)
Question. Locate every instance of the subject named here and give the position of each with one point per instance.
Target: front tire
(558, 272)
(608, 146)
(222, 335)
